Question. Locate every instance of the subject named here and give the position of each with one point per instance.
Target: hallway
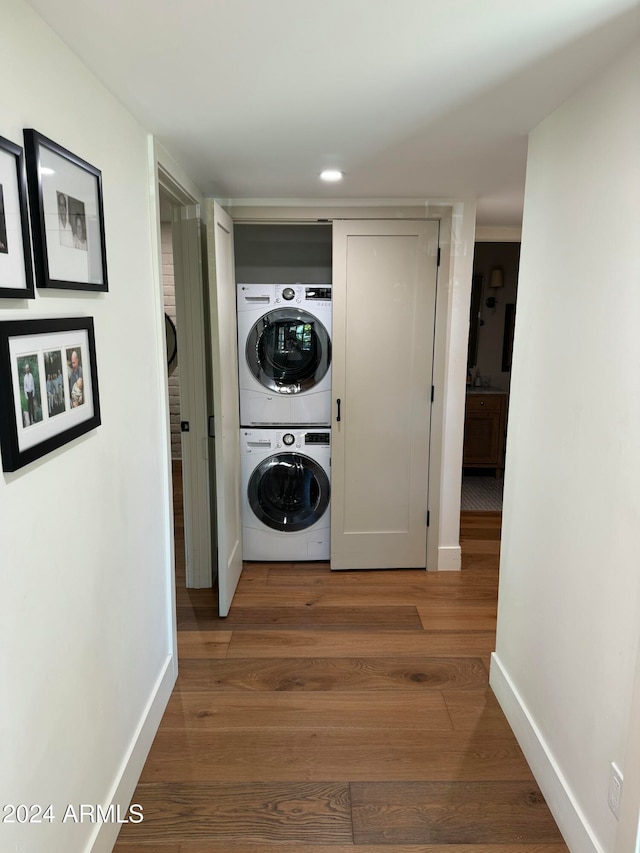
(336, 712)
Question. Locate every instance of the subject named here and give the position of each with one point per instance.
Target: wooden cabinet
(484, 429)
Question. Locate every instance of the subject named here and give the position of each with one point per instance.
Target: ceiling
(410, 98)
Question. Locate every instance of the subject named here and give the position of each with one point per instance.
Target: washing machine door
(288, 350)
(289, 492)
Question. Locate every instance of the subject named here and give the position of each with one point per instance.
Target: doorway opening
(173, 377)
(492, 318)
(182, 247)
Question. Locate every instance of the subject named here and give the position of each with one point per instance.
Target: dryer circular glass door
(288, 350)
(289, 492)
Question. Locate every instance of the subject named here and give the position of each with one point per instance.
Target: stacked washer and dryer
(284, 365)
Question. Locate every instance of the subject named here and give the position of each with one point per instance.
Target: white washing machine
(284, 354)
(285, 493)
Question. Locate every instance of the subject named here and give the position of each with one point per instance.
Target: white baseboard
(124, 786)
(449, 558)
(570, 819)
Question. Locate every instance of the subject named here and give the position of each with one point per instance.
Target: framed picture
(507, 340)
(67, 219)
(475, 319)
(16, 275)
(48, 386)
(171, 337)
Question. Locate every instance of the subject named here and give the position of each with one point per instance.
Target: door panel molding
(384, 294)
(198, 535)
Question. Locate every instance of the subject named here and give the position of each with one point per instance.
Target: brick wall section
(168, 286)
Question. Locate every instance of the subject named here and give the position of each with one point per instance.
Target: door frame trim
(167, 176)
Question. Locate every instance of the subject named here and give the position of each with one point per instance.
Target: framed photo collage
(50, 199)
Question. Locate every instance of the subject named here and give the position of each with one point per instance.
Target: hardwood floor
(343, 712)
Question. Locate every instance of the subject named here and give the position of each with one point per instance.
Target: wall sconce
(496, 280)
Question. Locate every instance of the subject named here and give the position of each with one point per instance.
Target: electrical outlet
(615, 788)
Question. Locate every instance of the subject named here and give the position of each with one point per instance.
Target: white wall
(85, 559)
(569, 606)
(449, 374)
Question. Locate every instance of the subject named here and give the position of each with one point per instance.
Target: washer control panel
(298, 294)
(317, 438)
(268, 440)
(303, 438)
(263, 295)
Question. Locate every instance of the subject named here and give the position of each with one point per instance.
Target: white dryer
(284, 354)
(285, 493)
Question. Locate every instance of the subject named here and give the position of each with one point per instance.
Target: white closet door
(224, 369)
(384, 295)
(199, 523)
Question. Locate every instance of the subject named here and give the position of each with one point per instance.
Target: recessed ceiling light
(331, 175)
(45, 170)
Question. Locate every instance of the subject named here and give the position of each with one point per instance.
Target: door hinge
(211, 426)
(433, 392)
(428, 517)
(438, 264)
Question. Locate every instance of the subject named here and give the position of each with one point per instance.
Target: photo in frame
(507, 340)
(67, 218)
(16, 274)
(48, 386)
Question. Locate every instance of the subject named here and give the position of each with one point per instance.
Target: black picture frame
(171, 336)
(475, 320)
(507, 340)
(16, 269)
(61, 401)
(67, 217)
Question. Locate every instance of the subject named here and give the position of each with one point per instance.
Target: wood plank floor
(344, 712)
